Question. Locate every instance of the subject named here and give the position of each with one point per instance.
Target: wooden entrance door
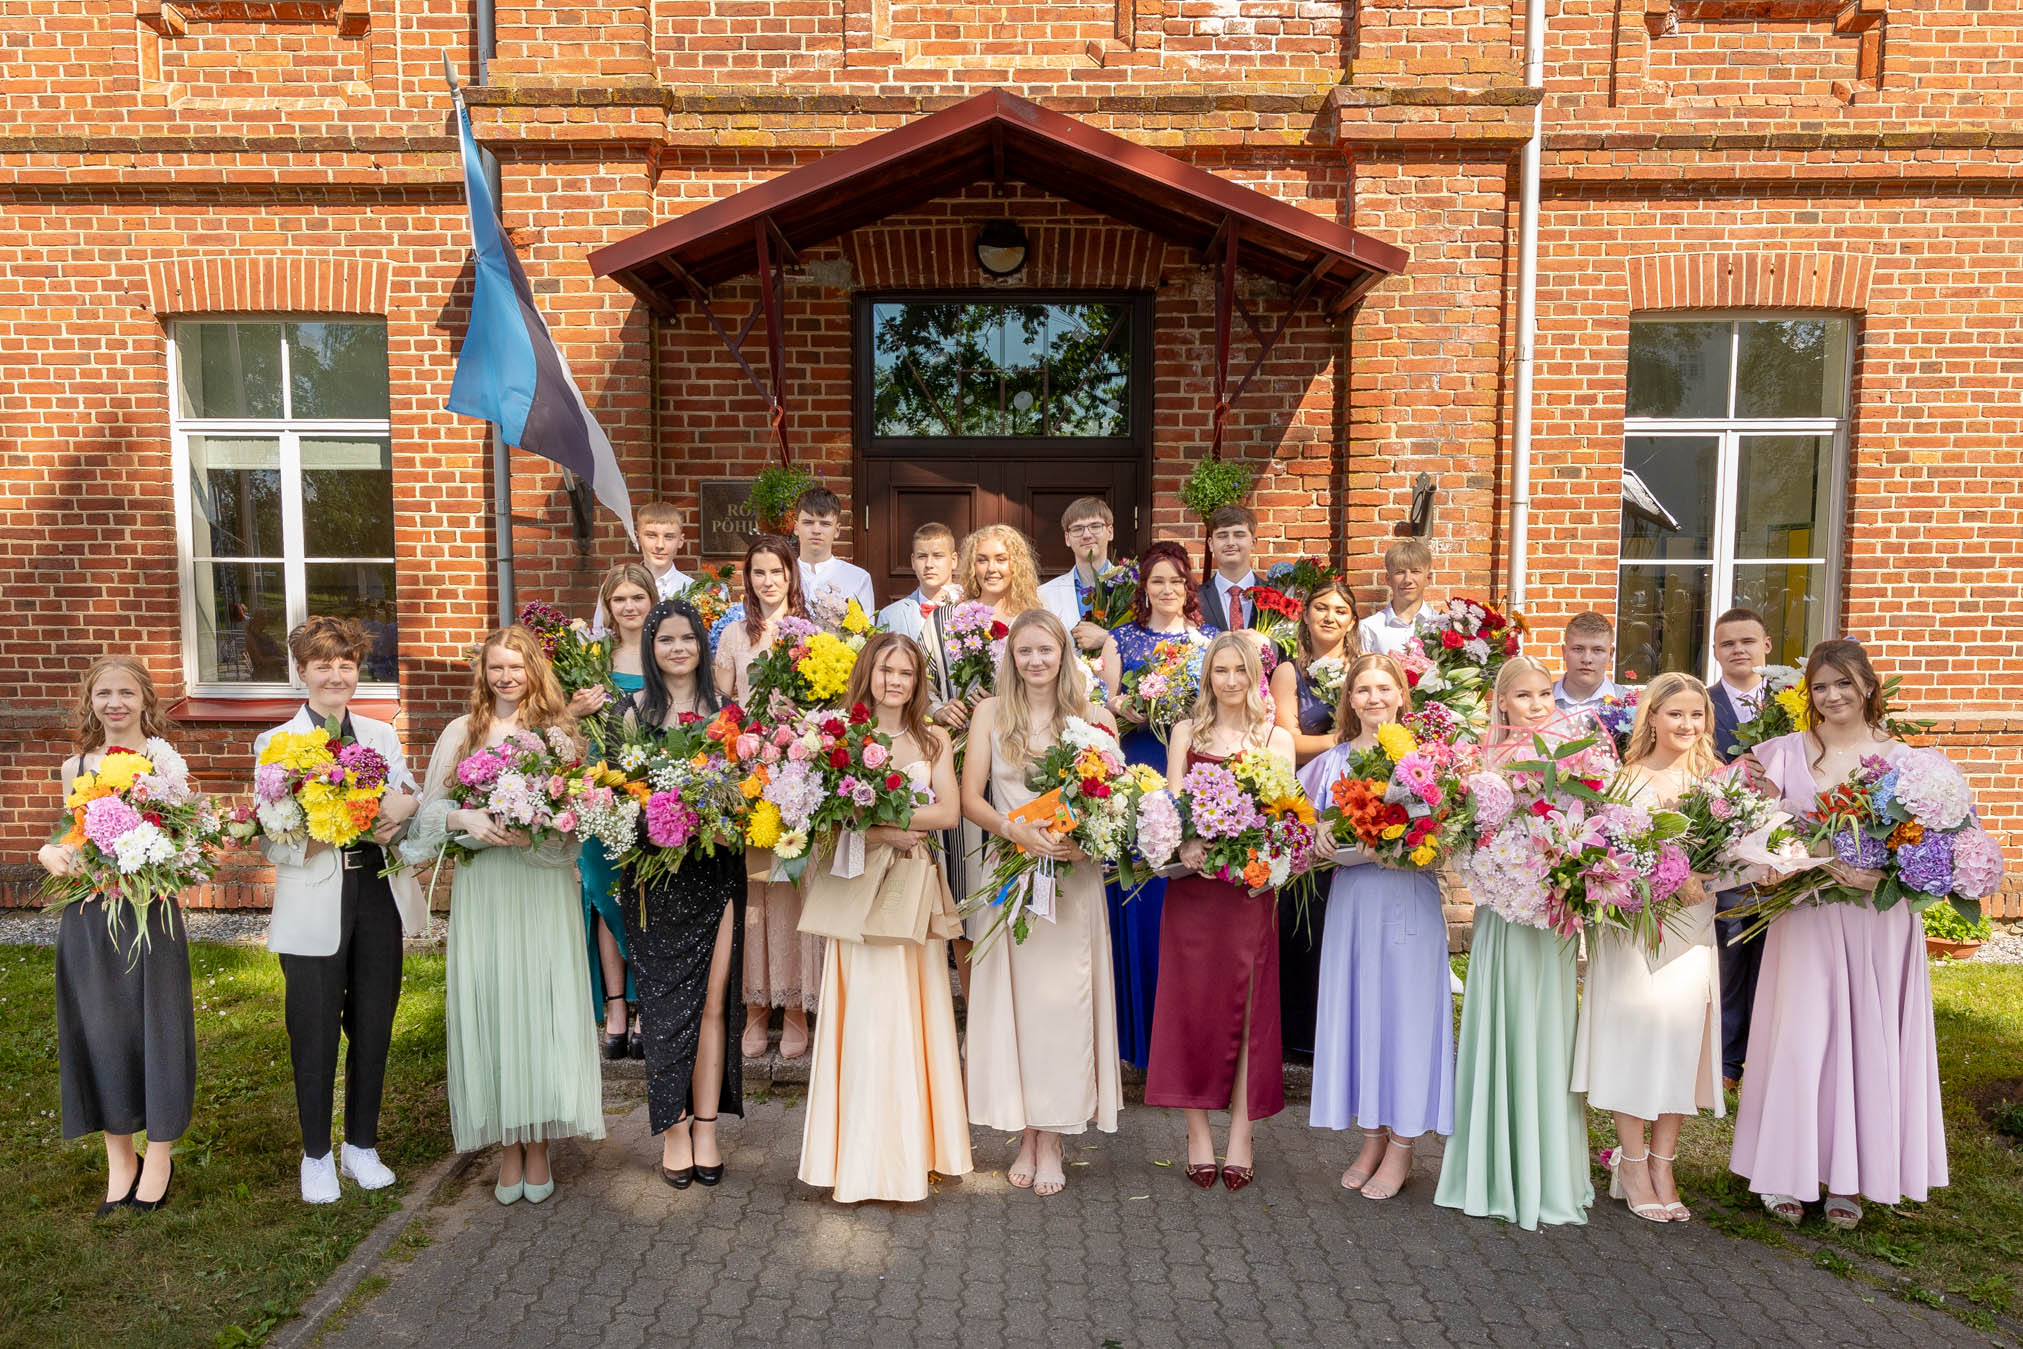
(966, 492)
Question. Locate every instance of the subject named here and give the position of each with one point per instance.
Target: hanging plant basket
(774, 494)
(1215, 483)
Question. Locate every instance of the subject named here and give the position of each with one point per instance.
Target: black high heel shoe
(705, 1175)
(150, 1205)
(635, 1037)
(614, 1045)
(111, 1206)
(681, 1179)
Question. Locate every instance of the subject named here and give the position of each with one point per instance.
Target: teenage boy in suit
(337, 926)
(1741, 645)
(1232, 544)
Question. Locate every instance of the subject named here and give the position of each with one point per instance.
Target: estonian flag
(509, 370)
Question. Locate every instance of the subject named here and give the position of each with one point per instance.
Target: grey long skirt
(126, 1034)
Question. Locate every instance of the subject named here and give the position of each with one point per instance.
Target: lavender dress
(1842, 1090)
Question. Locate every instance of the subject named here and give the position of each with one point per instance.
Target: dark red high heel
(1203, 1176)
(1235, 1178)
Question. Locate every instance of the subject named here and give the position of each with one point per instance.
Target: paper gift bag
(905, 903)
(945, 923)
(835, 907)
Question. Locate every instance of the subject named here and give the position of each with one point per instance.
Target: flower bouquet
(843, 617)
(1249, 811)
(973, 640)
(1913, 821)
(314, 785)
(1114, 600)
(1617, 715)
(1523, 820)
(1401, 798)
(1276, 615)
(1299, 579)
(1164, 688)
(1454, 655)
(1783, 710)
(1721, 812)
(709, 594)
(580, 657)
(1325, 677)
(860, 787)
(680, 798)
(1625, 870)
(1085, 791)
(142, 831)
(804, 668)
(529, 782)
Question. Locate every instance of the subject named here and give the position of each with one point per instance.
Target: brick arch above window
(299, 285)
(1750, 281)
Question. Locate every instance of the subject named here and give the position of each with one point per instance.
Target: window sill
(267, 711)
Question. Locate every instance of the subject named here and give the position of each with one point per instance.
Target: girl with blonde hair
(1042, 1012)
(1218, 943)
(523, 1067)
(1648, 1047)
(997, 568)
(1519, 1150)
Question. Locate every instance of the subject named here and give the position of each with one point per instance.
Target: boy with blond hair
(1408, 570)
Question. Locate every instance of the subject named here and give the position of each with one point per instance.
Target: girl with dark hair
(1842, 1088)
(1169, 607)
(622, 603)
(782, 966)
(686, 934)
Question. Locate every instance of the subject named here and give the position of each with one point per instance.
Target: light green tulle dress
(1519, 1150)
(523, 1062)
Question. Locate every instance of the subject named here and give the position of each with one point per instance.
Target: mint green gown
(1519, 1150)
(523, 1064)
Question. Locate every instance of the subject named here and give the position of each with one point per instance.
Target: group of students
(1200, 982)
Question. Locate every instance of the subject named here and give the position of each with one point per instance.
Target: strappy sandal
(1786, 1208)
(1676, 1211)
(1842, 1212)
(1352, 1179)
(1614, 1159)
(1380, 1195)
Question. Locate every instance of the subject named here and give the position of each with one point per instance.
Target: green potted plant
(774, 493)
(1213, 484)
(1950, 936)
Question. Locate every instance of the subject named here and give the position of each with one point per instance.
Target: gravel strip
(229, 927)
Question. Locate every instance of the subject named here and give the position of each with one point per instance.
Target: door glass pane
(1090, 375)
(347, 497)
(242, 622)
(1661, 620)
(1792, 599)
(364, 591)
(235, 496)
(1021, 358)
(975, 356)
(337, 370)
(994, 369)
(1791, 368)
(1679, 369)
(230, 369)
(1781, 496)
(1668, 496)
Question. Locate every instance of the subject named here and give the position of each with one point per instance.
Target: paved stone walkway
(1130, 1254)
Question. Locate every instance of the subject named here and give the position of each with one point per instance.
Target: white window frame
(1729, 432)
(289, 433)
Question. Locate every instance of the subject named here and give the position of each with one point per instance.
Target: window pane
(1781, 496)
(975, 355)
(1792, 600)
(229, 369)
(235, 496)
(1668, 496)
(916, 375)
(1792, 368)
(337, 370)
(1091, 371)
(242, 623)
(347, 497)
(1679, 369)
(998, 369)
(1661, 620)
(361, 590)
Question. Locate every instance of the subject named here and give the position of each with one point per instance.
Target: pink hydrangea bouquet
(143, 833)
(1523, 820)
(530, 782)
(1250, 812)
(1454, 654)
(680, 798)
(1913, 820)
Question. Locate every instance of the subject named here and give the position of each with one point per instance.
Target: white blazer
(1058, 598)
(307, 893)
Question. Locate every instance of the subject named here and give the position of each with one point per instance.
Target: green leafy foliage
(1215, 483)
(774, 493)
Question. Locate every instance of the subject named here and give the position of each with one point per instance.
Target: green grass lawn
(1967, 1239)
(235, 1252)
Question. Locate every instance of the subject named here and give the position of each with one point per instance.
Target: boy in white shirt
(818, 516)
(660, 538)
(1089, 528)
(1587, 652)
(1408, 570)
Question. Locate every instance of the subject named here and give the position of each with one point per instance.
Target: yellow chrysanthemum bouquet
(318, 785)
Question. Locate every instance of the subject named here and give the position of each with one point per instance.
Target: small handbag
(906, 902)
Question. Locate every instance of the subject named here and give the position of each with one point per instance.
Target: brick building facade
(216, 211)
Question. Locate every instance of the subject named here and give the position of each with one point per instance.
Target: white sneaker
(363, 1165)
(1454, 985)
(319, 1179)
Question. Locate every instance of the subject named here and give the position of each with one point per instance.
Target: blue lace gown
(1134, 926)
(1299, 941)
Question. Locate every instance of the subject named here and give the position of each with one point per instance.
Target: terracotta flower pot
(1950, 950)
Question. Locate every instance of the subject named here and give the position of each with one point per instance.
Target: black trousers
(1740, 965)
(352, 991)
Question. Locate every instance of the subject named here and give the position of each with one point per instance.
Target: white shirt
(1566, 702)
(1746, 705)
(848, 579)
(1058, 598)
(1384, 633)
(1235, 607)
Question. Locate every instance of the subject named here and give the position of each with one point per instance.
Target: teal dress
(600, 875)
(1519, 1150)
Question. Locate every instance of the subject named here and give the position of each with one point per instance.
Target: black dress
(1299, 940)
(126, 1032)
(670, 953)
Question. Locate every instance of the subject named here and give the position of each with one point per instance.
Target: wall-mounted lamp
(1421, 518)
(1001, 248)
